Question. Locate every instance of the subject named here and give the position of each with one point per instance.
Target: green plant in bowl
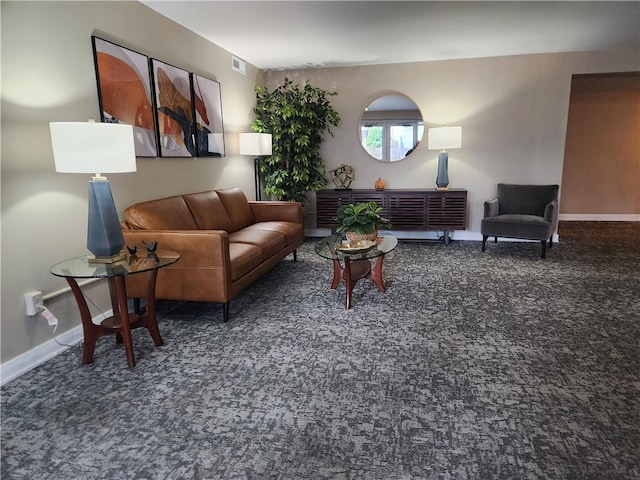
(361, 219)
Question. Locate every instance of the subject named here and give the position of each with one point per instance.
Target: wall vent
(238, 65)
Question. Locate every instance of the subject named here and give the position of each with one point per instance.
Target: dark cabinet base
(408, 210)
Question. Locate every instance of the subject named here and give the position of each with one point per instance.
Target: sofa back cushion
(525, 199)
(237, 206)
(208, 211)
(171, 213)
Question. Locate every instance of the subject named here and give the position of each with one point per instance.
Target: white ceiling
(302, 34)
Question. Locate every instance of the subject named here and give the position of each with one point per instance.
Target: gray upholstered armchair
(521, 211)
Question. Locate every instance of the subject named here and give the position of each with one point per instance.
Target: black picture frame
(173, 107)
(124, 92)
(209, 127)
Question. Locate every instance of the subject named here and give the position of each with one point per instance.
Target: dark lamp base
(104, 235)
(442, 179)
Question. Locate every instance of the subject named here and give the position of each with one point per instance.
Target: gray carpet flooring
(495, 365)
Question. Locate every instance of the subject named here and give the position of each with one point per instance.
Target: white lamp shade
(255, 144)
(442, 138)
(91, 147)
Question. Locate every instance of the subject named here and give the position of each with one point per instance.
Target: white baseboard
(36, 356)
(599, 217)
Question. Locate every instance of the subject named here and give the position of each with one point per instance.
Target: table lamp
(257, 144)
(443, 138)
(88, 147)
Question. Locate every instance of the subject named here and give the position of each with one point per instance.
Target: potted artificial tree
(296, 118)
(361, 221)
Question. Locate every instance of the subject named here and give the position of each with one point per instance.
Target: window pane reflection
(390, 141)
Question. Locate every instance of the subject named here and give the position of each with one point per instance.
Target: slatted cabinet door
(407, 210)
(447, 210)
(380, 198)
(327, 204)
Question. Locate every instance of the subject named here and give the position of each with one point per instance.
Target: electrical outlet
(33, 303)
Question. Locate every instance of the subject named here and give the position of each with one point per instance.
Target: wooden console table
(409, 210)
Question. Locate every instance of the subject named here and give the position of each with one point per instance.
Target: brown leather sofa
(225, 242)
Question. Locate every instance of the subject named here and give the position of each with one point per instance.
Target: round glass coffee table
(351, 265)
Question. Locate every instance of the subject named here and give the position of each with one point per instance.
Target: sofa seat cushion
(516, 226)
(270, 242)
(237, 206)
(292, 232)
(208, 211)
(244, 258)
(171, 213)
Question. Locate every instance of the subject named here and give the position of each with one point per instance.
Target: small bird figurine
(132, 250)
(151, 247)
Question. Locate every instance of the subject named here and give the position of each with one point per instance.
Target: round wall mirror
(391, 128)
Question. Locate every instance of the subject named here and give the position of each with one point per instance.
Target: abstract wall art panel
(124, 92)
(174, 110)
(209, 130)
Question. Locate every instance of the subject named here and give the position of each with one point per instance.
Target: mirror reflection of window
(372, 139)
(391, 128)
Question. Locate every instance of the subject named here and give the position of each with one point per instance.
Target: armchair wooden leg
(495, 239)
(225, 312)
(295, 255)
(551, 242)
(544, 249)
(484, 242)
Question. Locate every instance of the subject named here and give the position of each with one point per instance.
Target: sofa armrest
(551, 212)
(197, 248)
(277, 211)
(491, 208)
(203, 272)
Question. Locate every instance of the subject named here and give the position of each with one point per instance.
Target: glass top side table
(357, 265)
(122, 322)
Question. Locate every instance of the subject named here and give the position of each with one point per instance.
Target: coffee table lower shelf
(353, 271)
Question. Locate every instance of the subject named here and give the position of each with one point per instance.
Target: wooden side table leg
(354, 270)
(348, 284)
(150, 320)
(121, 293)
(337, 274)
(115, 306)
(376, 274)
(89, 330)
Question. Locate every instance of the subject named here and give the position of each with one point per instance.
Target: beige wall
(48, 75)
(513, 111)
(602, 157)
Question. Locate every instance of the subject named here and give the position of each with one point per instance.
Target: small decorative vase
(379, 185)
(355, 237)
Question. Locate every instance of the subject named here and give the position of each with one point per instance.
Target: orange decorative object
(379, 184)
